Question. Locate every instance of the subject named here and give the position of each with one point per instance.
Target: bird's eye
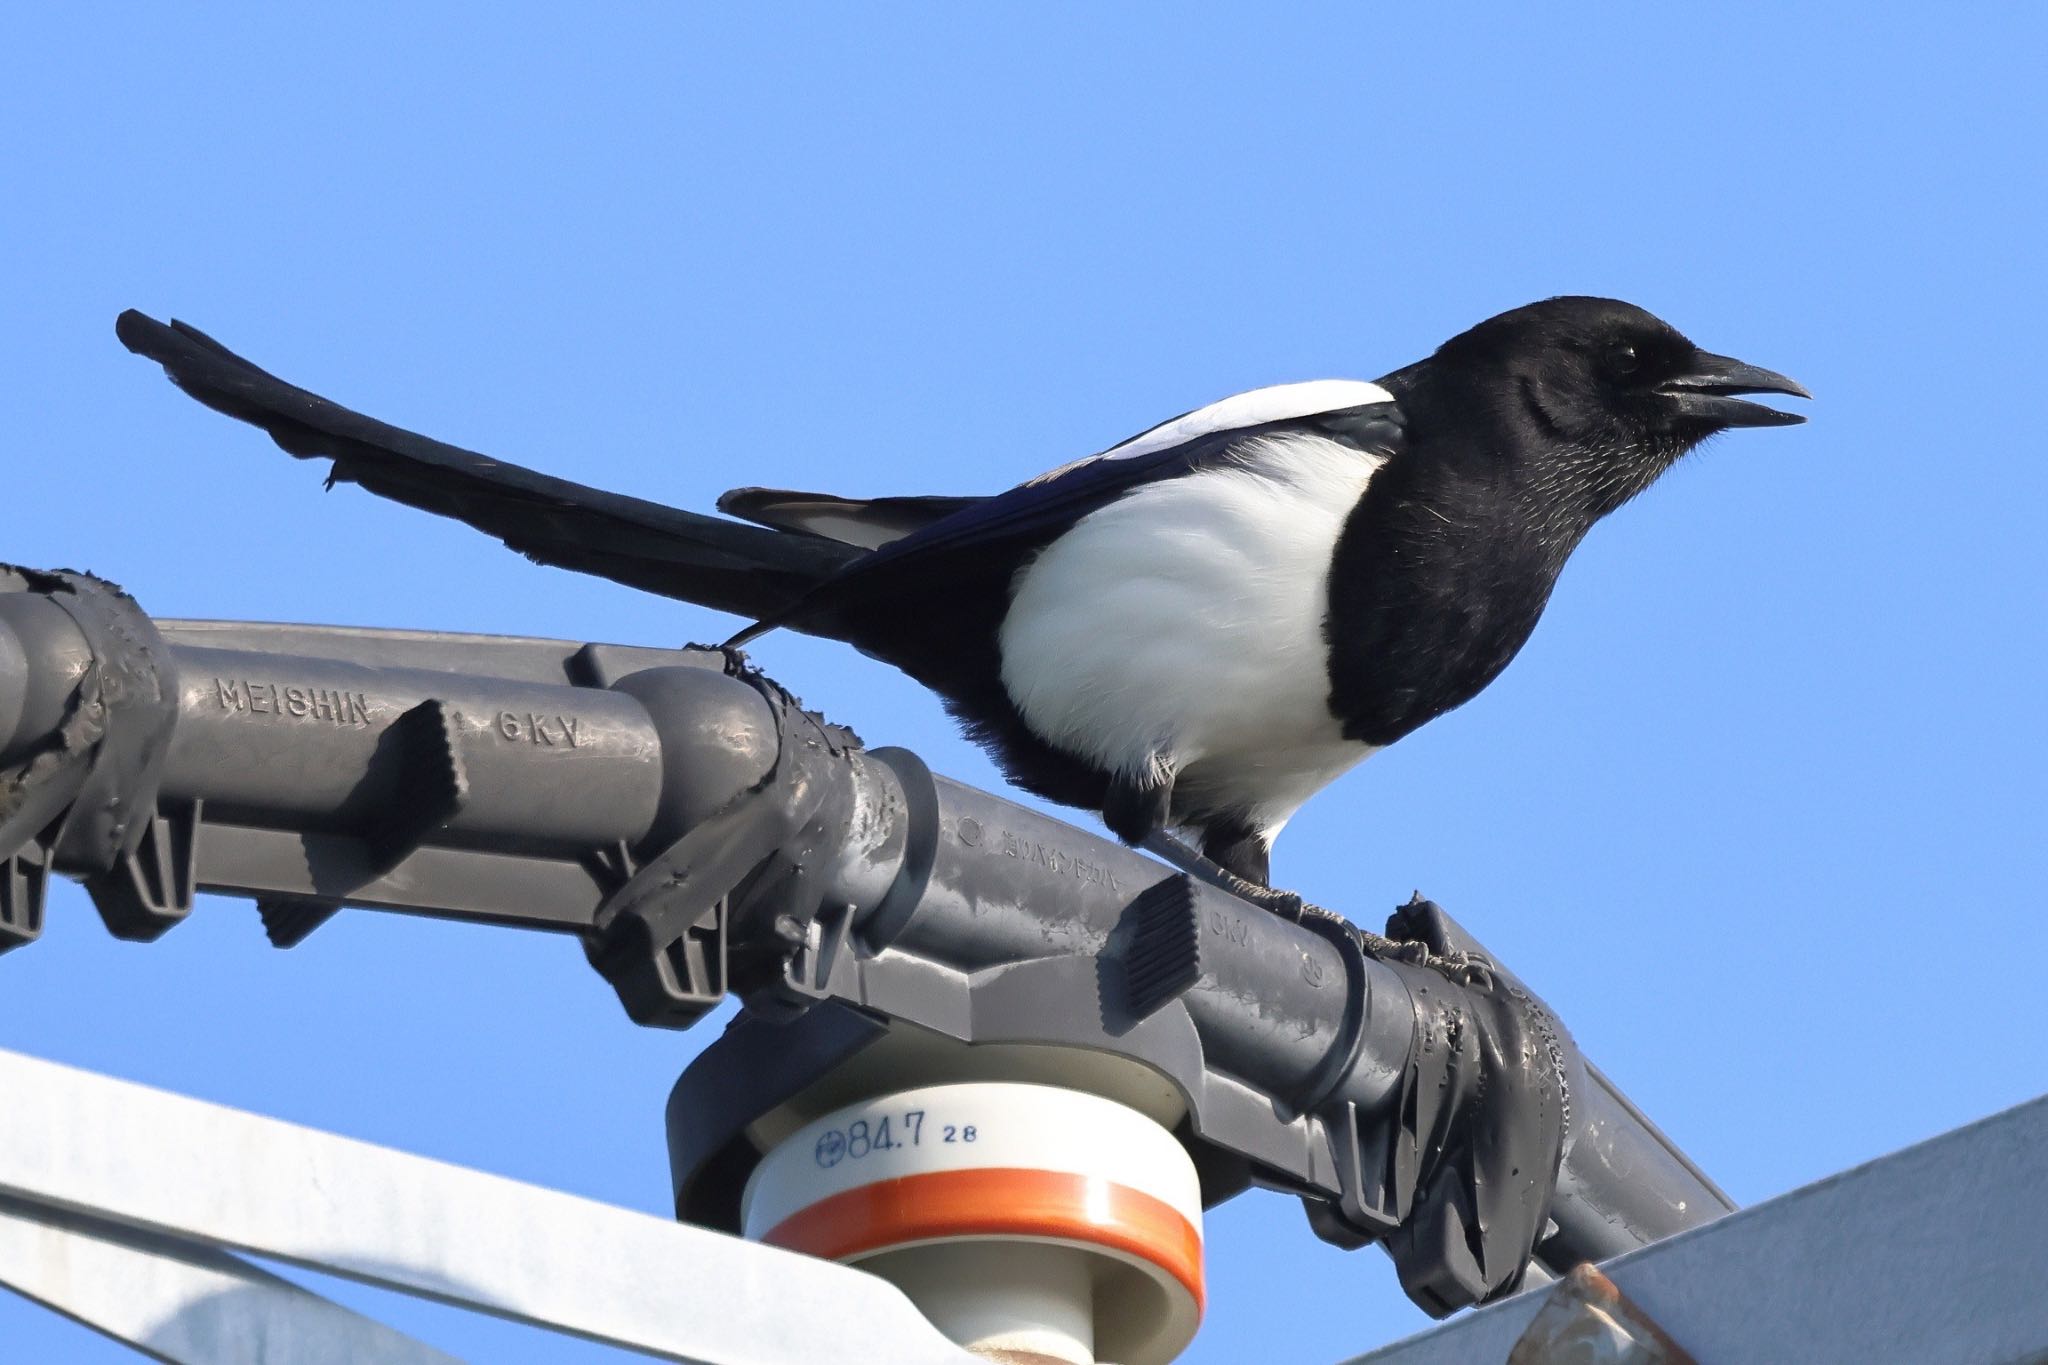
(1622, 360)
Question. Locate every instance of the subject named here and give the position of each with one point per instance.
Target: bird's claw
(1286, 904)
(1466, 969)
(736, 662)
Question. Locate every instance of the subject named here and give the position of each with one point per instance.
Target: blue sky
(1759, 809)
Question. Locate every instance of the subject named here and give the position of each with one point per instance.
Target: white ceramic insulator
(1023, 1219)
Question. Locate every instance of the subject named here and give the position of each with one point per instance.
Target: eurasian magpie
(1196, 629)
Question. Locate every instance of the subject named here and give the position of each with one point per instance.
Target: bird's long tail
(748, 570)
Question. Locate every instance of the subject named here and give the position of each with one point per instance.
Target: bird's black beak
(1705, 392)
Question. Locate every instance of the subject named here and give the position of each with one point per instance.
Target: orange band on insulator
(997, 1201)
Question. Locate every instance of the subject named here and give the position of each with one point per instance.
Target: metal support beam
(1931, 1255)
(181, 1302)
(168, 1166)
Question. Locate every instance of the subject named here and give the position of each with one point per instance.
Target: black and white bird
(1198, 628)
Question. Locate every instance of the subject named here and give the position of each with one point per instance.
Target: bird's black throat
(1438, 579)
(1445, 566)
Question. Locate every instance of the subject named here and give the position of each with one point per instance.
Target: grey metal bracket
(24, 889)
(151, 888)
(1165, 956)
(287, 920)
(432, 783)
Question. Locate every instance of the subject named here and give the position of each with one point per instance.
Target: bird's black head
(1602, 396)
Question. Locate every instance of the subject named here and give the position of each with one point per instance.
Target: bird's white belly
(1184, 622)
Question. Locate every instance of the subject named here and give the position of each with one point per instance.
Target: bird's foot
(1420, 924)
(1292, 906)
(736, 662)
(1466, 969)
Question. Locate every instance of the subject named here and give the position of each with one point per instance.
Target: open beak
(1706, 392)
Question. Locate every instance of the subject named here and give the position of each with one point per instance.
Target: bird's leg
(1190, 860)
(736, 662)
(1241, 847)
(1139, 803)
(1288, 905)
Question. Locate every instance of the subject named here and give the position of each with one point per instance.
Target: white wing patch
(1185, 620)
(1253, 407)
(852, 522)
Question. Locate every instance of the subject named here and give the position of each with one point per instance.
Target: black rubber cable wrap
(1455, 1179)
(764, 846)
(98, 769)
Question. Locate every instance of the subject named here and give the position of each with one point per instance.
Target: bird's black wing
(995, 533)
(741, 569)
(933, 602)
(1048, 504)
